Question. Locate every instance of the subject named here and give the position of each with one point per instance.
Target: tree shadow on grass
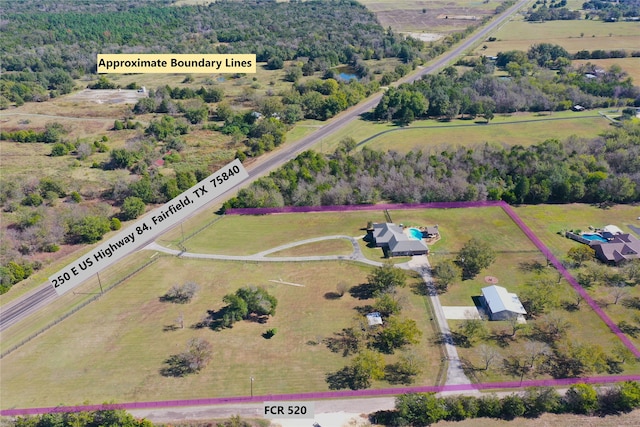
(362, 291)
(214, 320)
(453, 338)
(364, 309)
(177, 366)
(420, 288)
(348, 377)
(397, 374)
(633, 302)
(502, 338)
(531, 266)
(332, 296)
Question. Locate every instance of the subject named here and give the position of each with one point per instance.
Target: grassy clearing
(432, 16)
(127, 335)
(512, 129)
(520, 35)
(547, 220)
(246, 235)
(67, 302)
(327, 247)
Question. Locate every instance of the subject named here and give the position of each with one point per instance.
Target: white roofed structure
(500, 304)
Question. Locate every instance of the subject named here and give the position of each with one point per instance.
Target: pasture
(509, 129)
(128, 333)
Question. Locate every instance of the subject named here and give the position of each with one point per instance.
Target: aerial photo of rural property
(319, 213)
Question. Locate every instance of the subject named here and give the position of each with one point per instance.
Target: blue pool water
(416, 234)
(592, 237)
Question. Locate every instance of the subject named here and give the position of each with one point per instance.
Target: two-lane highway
(17, 310)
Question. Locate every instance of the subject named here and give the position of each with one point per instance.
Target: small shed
(500, 304)
(374, 318)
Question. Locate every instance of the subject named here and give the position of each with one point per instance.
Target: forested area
(45, 45)
(612, 10)
(541, 79)
(603, 169)
(605, 10)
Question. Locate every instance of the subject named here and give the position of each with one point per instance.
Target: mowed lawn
(113, 349)
(514, 256)
(547, 220)
(508, 129)
(249, 234)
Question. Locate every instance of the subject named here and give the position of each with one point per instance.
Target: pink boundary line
(452, 205)
(388, 391)
(321, 395)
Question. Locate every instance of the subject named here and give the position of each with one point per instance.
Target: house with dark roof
(619, 248)
(500, 304)
(393, 240)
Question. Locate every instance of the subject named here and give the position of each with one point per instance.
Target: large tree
(446, 273)
(397, 334)
(385, 278)
(475, 255)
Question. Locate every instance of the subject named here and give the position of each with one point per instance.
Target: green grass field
(114, 349)
(327, 247)
(128, 332)
(246, 235)
(513, 129)
(549, 219)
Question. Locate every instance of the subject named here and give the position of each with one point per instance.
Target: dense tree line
(604, 169)
(545, 13)
(44, 49)
(423, 409)
(45, 215)
(612, 10)
(532, 86)
(104, 417)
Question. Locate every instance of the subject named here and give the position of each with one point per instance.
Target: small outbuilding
(374, 319)
(500, 304)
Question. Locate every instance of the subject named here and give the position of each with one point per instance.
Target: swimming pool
(415, 234)
(593, 236)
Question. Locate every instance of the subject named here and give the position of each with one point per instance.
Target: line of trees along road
(603, 169)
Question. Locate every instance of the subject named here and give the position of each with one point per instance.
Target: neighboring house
(619, 248)
(395, 242)
(500, 304)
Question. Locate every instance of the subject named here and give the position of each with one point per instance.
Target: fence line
(75, 309)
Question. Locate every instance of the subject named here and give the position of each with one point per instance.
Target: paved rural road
(40, 297)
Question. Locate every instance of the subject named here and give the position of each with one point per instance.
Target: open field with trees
(130, 332)
(149, 320)
(189, 124)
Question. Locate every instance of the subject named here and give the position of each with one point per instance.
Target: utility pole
(100, 283)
